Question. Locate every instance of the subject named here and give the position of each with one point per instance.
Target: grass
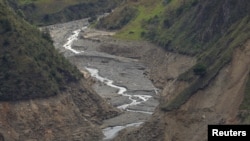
(133, 30)
(216, 57)
(182, 28)
(190, 34)
(51, 6)
(192, 27)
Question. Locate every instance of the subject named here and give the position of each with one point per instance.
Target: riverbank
(120, 80)
(130, 65)
(131, 91)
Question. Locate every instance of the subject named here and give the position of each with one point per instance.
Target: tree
(200, 69)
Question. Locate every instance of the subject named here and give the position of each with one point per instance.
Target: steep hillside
(212, 40)
(211, 92)
(221, 102)
(30, 67)
(42, 96)
(130, 16)
(206, 29)
(44, 12)
(75, 114)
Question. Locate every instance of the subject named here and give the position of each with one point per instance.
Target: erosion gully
(119, 80)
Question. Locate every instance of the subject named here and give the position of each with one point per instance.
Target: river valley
(121, 81)
(149, 71)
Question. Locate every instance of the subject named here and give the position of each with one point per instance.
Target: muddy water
(121, 81)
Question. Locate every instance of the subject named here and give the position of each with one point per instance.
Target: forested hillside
(44, 12)
(30, 67)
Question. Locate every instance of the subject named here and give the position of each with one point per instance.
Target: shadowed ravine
(121, 81)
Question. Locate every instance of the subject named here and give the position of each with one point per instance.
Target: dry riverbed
(124, 71)
(131, 90)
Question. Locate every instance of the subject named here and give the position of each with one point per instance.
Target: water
(110, 132)
(135, 99)
(71, 39)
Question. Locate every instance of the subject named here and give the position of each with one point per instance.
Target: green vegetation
(217, 54)
(200, 69)
(132, 28)
(145, 12)
(44, 12)
(30, 67)
(123, 16)
(62, 4)
(48, 6)
(209, 30)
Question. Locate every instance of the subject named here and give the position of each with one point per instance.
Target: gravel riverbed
(127, 73)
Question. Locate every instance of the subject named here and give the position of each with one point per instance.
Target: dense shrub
(118, 19)
(30, 67)
(200, 69)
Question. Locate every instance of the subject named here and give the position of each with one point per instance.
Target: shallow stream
(120, 81)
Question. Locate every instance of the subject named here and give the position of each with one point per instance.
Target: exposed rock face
(73, 115)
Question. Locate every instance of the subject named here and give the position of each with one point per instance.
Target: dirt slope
(73, 115)
(216, 104)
